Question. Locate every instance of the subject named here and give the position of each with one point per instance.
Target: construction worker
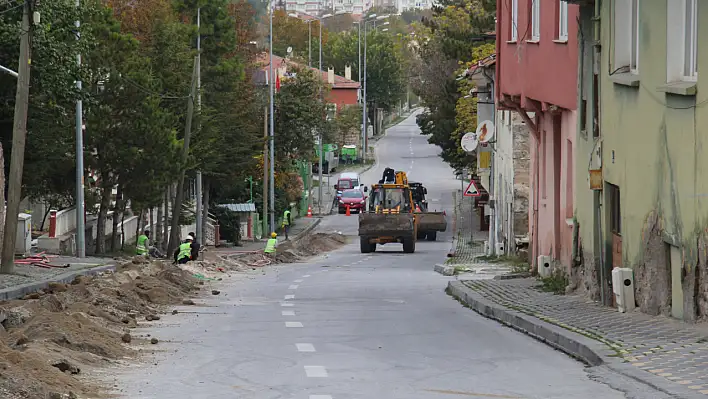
(183, 254)
(271, 245)
(141, 249)
(286, 222)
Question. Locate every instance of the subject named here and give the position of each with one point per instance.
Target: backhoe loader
(390, 217)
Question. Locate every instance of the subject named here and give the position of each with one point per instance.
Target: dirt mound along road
(82, 325)
(288, 251)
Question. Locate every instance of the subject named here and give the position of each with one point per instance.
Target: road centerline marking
(289, 296)
(287, 304)
(320, 397)
(293, 324)
(298, 281)
(288, 313)
(305, 348)
(293, 287)
(306, 276)
(316, 372)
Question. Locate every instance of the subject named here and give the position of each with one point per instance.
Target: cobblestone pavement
(668, 348)
(469, 244)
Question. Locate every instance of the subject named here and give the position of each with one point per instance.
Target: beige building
(644, 125)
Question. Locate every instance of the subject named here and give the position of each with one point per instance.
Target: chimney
(330, 76)
(348, 72)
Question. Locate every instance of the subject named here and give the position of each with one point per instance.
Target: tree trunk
(159, 227)
(166, 220)
(137, 229)
(2, 188)
(116, 211)
(44, 219)
(205, 211)
(152, 221)
(122, 228)
(101, 222)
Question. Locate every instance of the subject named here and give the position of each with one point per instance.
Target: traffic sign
(471, 190)
(469, 141)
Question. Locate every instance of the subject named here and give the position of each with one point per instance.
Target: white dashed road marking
(287, 313)
(298, 281)
(289, 296)
(316, 371)
(305, 348)
(307, 275)
(293, 287)
(287, 304)
(320, 397)
(293, 324)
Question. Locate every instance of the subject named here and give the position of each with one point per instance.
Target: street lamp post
(271, 83)
(372, 18)
(319, 134)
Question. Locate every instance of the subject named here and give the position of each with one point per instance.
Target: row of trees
(138, 71)
(447, 43)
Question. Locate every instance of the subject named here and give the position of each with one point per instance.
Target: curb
(444, 270)
(587, 350)
(19, 291)
(307, 230)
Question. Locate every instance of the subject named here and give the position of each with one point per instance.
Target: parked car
(355, 198)
(348, 181)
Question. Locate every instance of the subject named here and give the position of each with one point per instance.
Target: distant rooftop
(340, 82)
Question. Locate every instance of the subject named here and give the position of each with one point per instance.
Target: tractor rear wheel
(365, 245)
(409, 245)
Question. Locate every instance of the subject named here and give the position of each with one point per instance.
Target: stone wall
(522, 163)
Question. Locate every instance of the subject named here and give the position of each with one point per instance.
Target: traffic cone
(444, 213)
(417, 208)
(309, 211)
(348, 211)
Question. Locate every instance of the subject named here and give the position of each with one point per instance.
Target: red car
(354, 198)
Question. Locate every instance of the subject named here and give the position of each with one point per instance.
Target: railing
(62, 222)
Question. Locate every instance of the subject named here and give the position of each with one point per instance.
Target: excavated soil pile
(288, 252)
(49, 337)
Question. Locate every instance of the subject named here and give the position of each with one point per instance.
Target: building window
(514, 20)
(690, 36)
(563, 20)
(626, 38)
(536, 20)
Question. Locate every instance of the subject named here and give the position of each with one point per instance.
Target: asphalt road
(347, 325)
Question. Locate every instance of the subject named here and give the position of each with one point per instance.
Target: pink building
(537, 69)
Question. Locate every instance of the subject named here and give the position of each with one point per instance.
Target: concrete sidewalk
(665, 353)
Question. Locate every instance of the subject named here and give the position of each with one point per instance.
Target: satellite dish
(290, 50)
(469, 142)
(485, 131)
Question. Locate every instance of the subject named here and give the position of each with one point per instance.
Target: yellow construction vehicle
(390, 217)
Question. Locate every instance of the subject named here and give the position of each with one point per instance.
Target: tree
(293, 32)
(443, 43)
(386, 80)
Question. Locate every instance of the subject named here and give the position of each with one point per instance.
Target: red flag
(277, 82)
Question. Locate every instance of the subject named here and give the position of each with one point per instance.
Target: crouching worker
(145, 247)
(183, 254)
(271, 245)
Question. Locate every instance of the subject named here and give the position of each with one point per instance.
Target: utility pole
(199, 215)
(271, 84)
(319, 201)
(266, 233)
(363, 114)
(19, 136)
(177, 205)
(80, 205)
